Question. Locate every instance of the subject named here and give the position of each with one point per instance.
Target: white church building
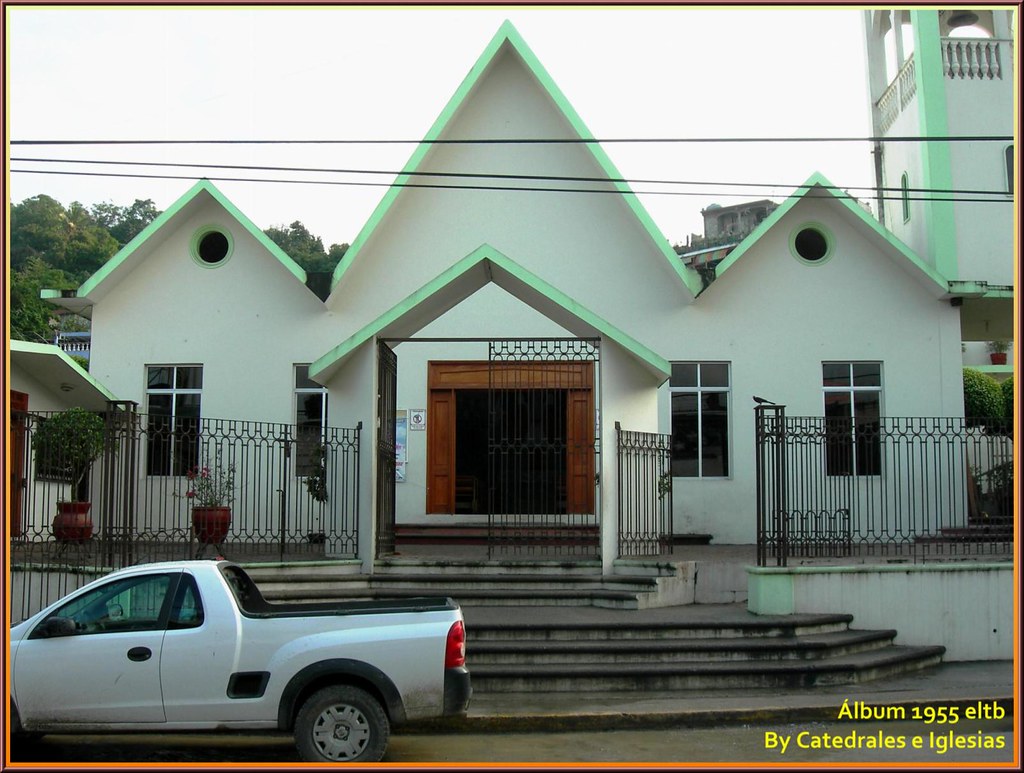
(504, 351)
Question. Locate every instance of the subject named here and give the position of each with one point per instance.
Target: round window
(811, 243)
(211, 246)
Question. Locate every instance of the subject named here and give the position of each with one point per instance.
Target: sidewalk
(950, 684)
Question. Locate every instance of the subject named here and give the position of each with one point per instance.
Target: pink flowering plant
(211, 485)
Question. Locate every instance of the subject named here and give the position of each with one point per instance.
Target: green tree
(66, 239)
(33, 319)
(304, 248)
(125, 223)
(336, 253)
(37, 231)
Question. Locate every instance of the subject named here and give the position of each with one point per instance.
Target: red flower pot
(211, 524)
(72, 522)
(998, 358)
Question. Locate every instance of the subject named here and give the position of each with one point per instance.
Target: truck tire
(342, 724)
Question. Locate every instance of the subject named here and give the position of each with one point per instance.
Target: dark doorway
(510, 451)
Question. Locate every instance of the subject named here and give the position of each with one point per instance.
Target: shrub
(1008, 406)
(983, 398)
(68, 442)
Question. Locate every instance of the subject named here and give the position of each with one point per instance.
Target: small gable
(483, 266)
(209, 245)
(812, 243)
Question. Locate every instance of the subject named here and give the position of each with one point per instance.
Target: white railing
(962, 59)
(896, 98)
(974, 59)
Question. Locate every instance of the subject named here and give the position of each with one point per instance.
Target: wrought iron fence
(645, 492)
(916, 487)
(292, 494)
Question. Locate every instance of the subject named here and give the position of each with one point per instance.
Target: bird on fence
(762, 401)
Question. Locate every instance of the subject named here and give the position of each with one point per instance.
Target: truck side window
(128, 604)
(248, 596)
(187, 607)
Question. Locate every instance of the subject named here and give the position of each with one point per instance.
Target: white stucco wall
(967, 607)
(983, 229)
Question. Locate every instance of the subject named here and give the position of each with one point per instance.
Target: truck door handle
(138, 654)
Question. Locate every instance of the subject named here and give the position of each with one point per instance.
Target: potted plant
(997, 351)
(66, 445)
(211, 489)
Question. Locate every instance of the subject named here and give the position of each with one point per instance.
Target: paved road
(751, 744)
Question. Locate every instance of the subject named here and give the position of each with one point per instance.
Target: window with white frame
(173, 400)
(700, 419)
(853, 410)
(310, 421)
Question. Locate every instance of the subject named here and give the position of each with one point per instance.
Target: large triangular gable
(482, 266)
(508, 35)
(818, 186)
(120, 264)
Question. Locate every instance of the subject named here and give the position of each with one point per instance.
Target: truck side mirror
(57, 626)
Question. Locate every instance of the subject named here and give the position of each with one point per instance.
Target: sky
(386, 73)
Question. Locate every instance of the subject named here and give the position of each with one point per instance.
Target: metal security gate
(645, 492)
(542, 441)
(387, 408)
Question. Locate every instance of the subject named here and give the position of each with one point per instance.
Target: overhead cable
(476, 187)
(520, 140)
(495, 176)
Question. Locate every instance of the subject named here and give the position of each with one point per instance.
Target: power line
(496, 176)
(524, 140)
(441, 186)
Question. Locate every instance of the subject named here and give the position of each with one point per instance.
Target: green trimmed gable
(484, 265)
(96, 285)
(507, 38)
(820, 187)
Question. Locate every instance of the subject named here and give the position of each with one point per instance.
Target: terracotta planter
(998, 358)
(211, 524)
(72, 522)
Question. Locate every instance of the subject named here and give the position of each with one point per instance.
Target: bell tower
(946, 74)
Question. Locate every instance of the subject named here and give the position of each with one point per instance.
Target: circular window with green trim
(811, 243)
(211, 246)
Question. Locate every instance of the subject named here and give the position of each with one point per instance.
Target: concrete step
(453, 584)
(600, 677)
(498, 584)
(732, 650)
(482, 596)
(486, 567)
(702, 622)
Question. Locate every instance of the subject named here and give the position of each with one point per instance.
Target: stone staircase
(532, 583)
(550, 626)
(695, 647)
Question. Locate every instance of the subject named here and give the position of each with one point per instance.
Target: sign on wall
(417, 418)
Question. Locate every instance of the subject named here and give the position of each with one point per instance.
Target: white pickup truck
(193, 645)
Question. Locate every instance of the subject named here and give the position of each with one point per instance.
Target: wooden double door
(509, 438)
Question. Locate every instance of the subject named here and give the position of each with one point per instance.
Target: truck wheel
(341, 724)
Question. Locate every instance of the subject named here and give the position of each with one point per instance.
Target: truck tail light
(455, 647)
